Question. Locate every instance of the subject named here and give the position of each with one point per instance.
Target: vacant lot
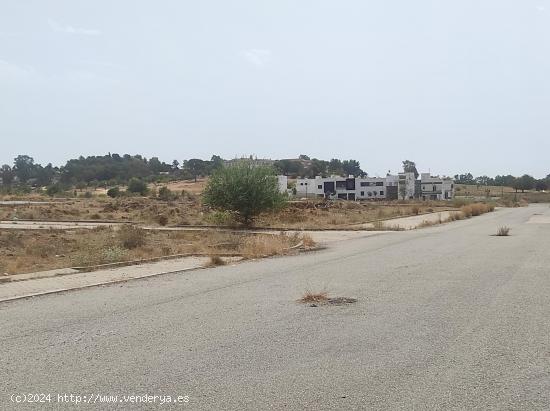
(188, 210)
(26, 251)
(185, 210)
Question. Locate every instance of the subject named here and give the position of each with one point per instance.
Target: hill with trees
(113, 169)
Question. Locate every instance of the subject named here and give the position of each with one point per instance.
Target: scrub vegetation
(27, 251)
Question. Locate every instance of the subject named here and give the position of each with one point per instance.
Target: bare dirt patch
(23, 251)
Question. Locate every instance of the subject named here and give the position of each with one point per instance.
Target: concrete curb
(123, 280)
(61, 290)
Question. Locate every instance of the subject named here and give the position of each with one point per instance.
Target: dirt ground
(27, 251)
(188, 210)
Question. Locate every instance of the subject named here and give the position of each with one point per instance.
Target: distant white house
(436, 188)
(391, 187)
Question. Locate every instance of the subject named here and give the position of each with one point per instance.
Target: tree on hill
(7, 175)
(24, 167)
(525, 182)
(195, 167)
(506, 181)
(318, 168)
(542, 185)
(216, 162)
(244, 189)
(352, 167)
(288, 167)
(335, 167)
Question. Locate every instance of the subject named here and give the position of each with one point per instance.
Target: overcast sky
(456, 86)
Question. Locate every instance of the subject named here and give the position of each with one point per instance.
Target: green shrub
(166, 194)
(135, 185)
(245, 190)
(113, 192)
(53, 190)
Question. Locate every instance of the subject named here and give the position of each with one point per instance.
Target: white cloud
(257, 57)
(541, 8)
(55, 26)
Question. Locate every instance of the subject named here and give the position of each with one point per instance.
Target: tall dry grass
(269, 245)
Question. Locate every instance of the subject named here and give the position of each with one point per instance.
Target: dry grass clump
(427, 223)
(310, 297)
(503, 231)
(264, 245)
(455, 216)
(216, 261)
(473, 210)
(269, 245)
(307, 241)
(466, 211)
(131, 236)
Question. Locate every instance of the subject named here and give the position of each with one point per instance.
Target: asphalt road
(447, 317)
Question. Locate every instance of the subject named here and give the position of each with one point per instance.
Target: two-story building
(357, 188)
(436, 188)
(403, 186)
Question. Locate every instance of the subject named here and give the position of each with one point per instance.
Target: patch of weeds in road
(311, 297)
(503, 231)
(315, 299)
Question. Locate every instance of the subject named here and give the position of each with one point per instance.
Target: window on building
(381, 193)
(341, 185)
(320, 187)
(379, 183)
(365, 183)
(362, 194)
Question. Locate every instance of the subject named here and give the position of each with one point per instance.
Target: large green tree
(335, 167)
(244, 189)
(195, 167)
(352, 167)
(24, 167)
(7, 175)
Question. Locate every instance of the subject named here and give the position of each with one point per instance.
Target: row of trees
(113, 169)
(525, 182)
(110, 169)
(309, 168)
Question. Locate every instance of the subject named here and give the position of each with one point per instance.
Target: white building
(436, 188)
(392, 187)
(282, 181)
(357, 188)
